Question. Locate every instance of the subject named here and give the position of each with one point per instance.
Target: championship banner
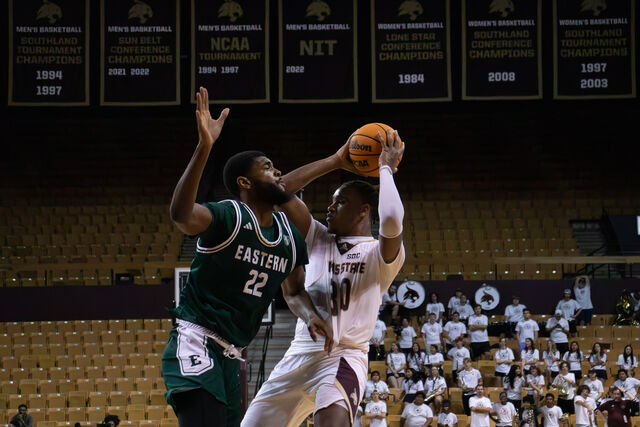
(594, 49)
(140, 52)
(230, 50)
(318, 55)
(48, 52)
(501, 49)
(410, 58)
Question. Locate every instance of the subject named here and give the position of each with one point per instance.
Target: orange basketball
(364, 148)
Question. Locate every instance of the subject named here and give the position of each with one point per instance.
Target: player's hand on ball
(208, 128)
(318, 326)
(343, 159)
(392, 150)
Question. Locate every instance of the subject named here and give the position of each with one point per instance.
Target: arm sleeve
(390, 207)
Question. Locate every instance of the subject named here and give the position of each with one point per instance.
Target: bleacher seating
(69, 387)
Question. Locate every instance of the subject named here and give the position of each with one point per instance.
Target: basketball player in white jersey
(347, 275)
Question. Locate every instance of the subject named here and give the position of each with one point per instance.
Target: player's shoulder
(226, 205)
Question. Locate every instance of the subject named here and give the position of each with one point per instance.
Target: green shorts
(191, 360)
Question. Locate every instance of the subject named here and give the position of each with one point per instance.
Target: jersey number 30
(255, 283)
(340, 294)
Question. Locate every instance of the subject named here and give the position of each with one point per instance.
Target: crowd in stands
(445, 365)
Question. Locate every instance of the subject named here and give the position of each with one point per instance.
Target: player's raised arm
(190, 217)
(297, 179)
(390, 209)
(300, 304)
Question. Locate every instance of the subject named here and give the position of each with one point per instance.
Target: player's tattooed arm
(300, 304)
(190, 217)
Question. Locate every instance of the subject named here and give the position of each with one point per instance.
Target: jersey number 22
(255, 283)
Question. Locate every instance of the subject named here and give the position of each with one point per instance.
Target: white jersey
(346, 284)
(448, 420)
(595, 386)
(583, 296)
(582, 415)
(551, 416)
(378, 407)
(504, 413)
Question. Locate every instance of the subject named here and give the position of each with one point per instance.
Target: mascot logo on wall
(412, 294)
(503, 7)
(593, 6)
(411, 8)
(487, 297)
(50, 11)
(140, 11)
(231, 10)
(318, 9)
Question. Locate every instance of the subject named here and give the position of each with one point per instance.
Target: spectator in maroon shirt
(617, 411)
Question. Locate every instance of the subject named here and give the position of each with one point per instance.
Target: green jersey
(237, 270)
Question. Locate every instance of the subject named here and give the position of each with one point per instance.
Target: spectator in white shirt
(376, 411)
(558, 328)
(376, 384)
(410, 386)
(551, 357)
(407, 334)
(529, 355)
(415, 360)
(453, 329)
(480, 408)
(434, 359)
(390, 305)
(575, 357)
(535, 382)
(435, 307)
(432, 331)
(438, 385)
(454, 302)
(570, 309)
(627, 360)
(598, 360)
(468, 379)
(376, 344)
(479, 337)
(396, 364)
(458, 354)
(596, 389)
(528, 417)
(504, 411)
(582, 291)
(503, 357)
(446, 418)
(565, 383)
(464, 308)
(585, 406)
(513, 385)
(526, 328)
(551, 413)
(513, 313)
(629, 386)
(416, 414)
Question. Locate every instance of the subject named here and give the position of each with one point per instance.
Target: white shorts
(303, 384)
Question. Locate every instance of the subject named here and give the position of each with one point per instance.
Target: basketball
(364, 148)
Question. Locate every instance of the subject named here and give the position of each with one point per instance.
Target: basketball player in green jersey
(245, 252)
